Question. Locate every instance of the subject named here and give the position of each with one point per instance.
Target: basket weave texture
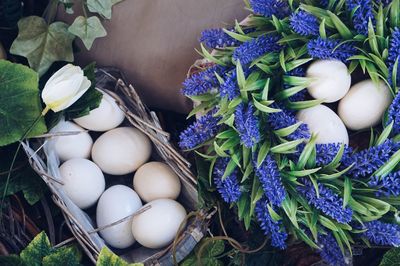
(44, 161)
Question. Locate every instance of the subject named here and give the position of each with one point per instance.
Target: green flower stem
(44, 112)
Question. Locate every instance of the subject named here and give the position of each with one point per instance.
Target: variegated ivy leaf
(88, 29)
(108, 258)
(102, 7)
(43, 44)
(36, 250)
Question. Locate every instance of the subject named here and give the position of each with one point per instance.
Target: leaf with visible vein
(88, 29)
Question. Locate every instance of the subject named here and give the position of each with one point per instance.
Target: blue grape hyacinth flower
(229, 187)
(270, 227)
(202, 82)
(327, 201)
(386, 186)
(330, 251)
(200, 131)
(247, 124)
(393, 55)
(253, 49)
(304, 23)
(270, 179)
(269, 8)
(325, 153)
(329, 49)
(381, 233)
(394, 114)
(363, 12)
(217, 38)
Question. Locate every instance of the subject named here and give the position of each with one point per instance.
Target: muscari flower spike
(386, 186)
(247, 124)
(202, 82)
(268, 8)
(369, 160)
(229, 187)
(270, 179)
(325, 153)
(255, 48)
(304, 23)
(381, 233)
(393, 55)
(394, 114)
(217, 38)
(200, 131)
(270, 227)
(284, 119)
(230, 87)
(330, 251)
(328, 49)
(363, 13)
(328, 202)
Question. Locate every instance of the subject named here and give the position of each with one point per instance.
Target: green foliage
(108, 258)
(391, 258)
(210, 251)
(88, 29)
(20, 103)
(40, 253)
(43, 44)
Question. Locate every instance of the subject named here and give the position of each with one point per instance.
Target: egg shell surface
(121, 150)
(82, 181)
(116, 203)
(323, 121)
(157, 226)
(105, 117)
(156, 180)
(365, 104)
(71, 146)
(331, 80)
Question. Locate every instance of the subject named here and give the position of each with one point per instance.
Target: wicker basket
(44, 161)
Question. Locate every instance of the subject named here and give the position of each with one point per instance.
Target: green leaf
(385, 134)
(263, 152)
(36, 250)
(108, 258)
(389, 165)
(64, 256)
(237, 36)
(289, 205)
(12, 260)
(347, 191)
(286, 147)
(43, 44)
(304, 104)
(102, 7)
(214, 248)
(395, 13)
(306, 153)
(391, 258)
(343, 30)
(19, 103)
(88, 29)
(263, 107)
(284, 132)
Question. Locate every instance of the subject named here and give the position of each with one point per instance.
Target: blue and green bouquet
(271, 166)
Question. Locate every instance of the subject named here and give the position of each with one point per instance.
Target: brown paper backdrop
(153, 42)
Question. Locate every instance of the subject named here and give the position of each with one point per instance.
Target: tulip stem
(44, 112)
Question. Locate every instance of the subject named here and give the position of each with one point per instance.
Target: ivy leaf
(64, 256)
(391, 258)
(39, 247)
(88, 29)
(43, 44)
(108, 258)
(19, 102)
(102, 7)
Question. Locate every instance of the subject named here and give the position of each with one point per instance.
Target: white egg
(83, 181)
(331, 80)
(105, 117)
(116, 203)
(71, 146)
(121, 150)
(323, 121)
(364, 105)
(157, 227)
(156, 180)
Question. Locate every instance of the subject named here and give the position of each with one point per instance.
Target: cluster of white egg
(360, 106)
(118, 151)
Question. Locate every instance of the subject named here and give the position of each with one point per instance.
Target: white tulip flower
(64, 88)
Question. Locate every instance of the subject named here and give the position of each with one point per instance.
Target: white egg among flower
(158, 226)
(121, 150)
(83, 181)
(105, 117)
(330, 80)
(70, 146)
(116, 203)
(156, 180)
(325, 123)
(365, 104)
